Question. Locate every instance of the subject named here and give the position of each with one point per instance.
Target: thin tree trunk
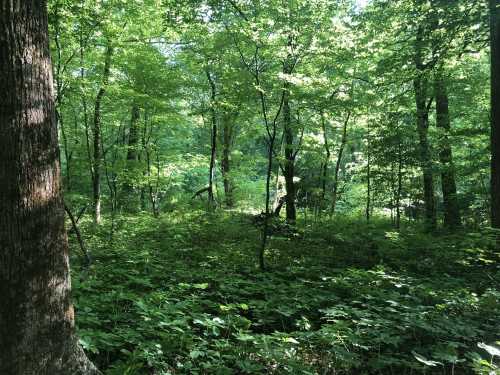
(227, 139)
(368, 178)
(130, 200)
(420, 87)
(271, 133)
(400, 185)
(37, 319)
(74, 225)
(155, 201)
(269, 170)
(96, 130)
(448, 185)
(148, 174)
(213, 139)
(336, 174)
(133, 136)
(278, 186)
(109, 171)
(67, 154)
(58, 97)
(393, 194)
(324, 171)
(153, 192)
(495, 112)
(289, 164)
(85, 111)
(144, 148)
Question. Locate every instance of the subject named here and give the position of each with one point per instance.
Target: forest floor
(182, 295)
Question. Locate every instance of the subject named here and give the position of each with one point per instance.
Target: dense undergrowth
(182, 295)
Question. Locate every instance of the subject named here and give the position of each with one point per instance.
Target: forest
(249, 187)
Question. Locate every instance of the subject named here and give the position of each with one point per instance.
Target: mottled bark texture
(495, 112)
(448, 185)
(36, 316)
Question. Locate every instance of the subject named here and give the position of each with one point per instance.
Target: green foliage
(181, 295)
(349, 58)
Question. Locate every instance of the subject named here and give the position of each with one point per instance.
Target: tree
(495, 111)
(132, 158)
(423, 104)
(448, 184)
(37, 318)
(213, 140)
(288, 132)
(336, 175)
(97, 133)
(227, 139)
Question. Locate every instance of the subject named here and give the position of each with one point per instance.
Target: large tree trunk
(448, 184)
(495, 112)
(420, 87)
(37, 323)
(96, 130)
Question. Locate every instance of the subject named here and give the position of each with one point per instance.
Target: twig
(88, 259)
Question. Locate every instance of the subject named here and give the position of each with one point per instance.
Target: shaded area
(183, 295)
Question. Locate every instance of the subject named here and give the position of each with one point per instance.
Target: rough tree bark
(495, 112)
(96, 130)
(420, 87)
(448, 185)
(37, 320)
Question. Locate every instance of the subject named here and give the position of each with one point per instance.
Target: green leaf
(201, 286)
(196, 353)
(292, 340)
